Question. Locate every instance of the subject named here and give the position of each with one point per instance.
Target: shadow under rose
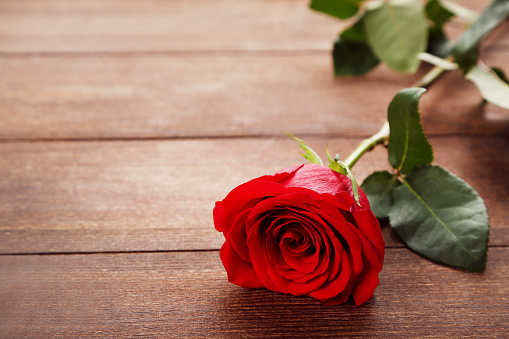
(263, 313)
(415, 298)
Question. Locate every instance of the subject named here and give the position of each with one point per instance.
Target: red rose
(301, 232)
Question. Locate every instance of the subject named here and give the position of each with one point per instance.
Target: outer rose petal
(366, 220)
(241, 198)
(337, 285)
(239, 272)
(342, 297)
(226, 210)
(238, 236)
(321, 179)
(218, 210)
(365, 286)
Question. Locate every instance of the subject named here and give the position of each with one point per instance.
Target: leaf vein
(430, 210)
(393, 180)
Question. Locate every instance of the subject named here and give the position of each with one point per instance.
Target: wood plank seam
(277, 136)
(189, 53)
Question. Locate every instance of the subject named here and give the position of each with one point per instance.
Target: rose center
(296, 241)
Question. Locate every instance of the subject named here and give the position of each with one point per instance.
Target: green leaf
(466, 50)
(352, 54)
(438, 44)
(397, 32)
(408, 145)
(441, 217)
(342, 9)
(356, 32)
(490, 85)
(352, 58)
(378, 188)
(437, 13)
(309, 153)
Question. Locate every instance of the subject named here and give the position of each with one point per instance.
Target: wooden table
(122, 122)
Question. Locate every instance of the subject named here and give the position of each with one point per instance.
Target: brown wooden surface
(188, 295)
(170, 25)
(182, 96)
(122, 122)
(140, 195)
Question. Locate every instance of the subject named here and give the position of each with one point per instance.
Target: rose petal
(322, 179)
(238, 236)
(368, 225)
(365, 285)
(287, 171)
(351, 237)
(274, 254)
(296, 288)
(244, 196)
(239, 272)
(342, 297)
(218, 210)
(303, 262)
(256, 244)
(338, 284)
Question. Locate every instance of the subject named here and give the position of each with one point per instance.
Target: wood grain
(97, 25)
(182, 96)
(196, 25)
(122, 122)
(159, 195)
(188, 295)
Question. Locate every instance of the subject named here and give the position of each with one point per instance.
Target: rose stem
(383, 134)
(368, 144)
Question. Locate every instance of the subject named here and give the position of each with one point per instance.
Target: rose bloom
(301, 232)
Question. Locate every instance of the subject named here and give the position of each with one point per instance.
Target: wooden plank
(187, 295)
(98, 25)
(159, 195)
(182, 96)
(198, 25)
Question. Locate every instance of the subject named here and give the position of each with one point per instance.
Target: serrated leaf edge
(421, 129)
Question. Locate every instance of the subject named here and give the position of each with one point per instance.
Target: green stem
(382, 135)
(429, 77)
(368, 144)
